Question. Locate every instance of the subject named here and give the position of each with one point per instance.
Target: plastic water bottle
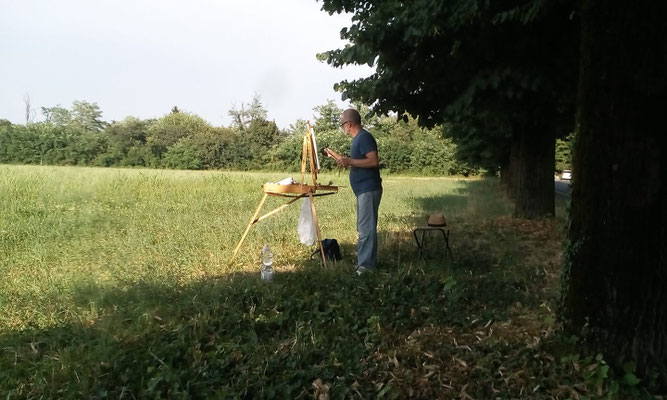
(267, 262)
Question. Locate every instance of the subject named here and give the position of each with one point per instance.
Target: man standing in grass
(366, 185)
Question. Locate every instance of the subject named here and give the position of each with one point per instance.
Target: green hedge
(185, 141)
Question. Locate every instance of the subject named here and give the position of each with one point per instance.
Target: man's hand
(344, 162)
(331, 154)
(371, 161)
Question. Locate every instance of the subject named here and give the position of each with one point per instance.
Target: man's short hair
(351, 115)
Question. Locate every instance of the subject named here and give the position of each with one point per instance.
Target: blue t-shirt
(364, 180)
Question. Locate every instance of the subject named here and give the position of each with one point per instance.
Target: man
(366, 185)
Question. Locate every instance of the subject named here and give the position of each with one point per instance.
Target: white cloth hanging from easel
(306, 227)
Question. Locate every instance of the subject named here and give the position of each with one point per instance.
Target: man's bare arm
(371, 161)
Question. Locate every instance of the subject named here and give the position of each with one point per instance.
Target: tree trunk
(511, 172)
(616, 264)
(504, 170)
(535, 176)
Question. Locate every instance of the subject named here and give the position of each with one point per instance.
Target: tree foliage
(564, 151)
(492, 73)
(86, 117)
(57, 115)
(245, 114)
(127, 142)
(183, 140)
(171, 128)
(327, 116)
(82, 117)
(439, 60)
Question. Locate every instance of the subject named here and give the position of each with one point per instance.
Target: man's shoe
(363, 270)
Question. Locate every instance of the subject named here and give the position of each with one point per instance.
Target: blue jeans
(367, 221)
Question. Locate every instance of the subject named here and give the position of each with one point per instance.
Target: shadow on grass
(236, 337)
(471, 203)
(475, 199)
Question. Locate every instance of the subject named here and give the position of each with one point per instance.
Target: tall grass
(64, 227)
(116, 284)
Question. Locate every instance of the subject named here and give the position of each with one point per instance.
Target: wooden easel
(295, 191)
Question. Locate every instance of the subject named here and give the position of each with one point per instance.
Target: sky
(141, 58)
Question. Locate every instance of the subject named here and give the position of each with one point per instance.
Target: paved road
(562, 189)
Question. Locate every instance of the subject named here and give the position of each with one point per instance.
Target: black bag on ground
(331, 250)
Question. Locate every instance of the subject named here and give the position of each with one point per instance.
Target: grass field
(116, 284)
(70, 228)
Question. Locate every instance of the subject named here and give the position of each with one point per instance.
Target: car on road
(566, 175)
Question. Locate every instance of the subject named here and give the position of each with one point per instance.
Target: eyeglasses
(343, 124)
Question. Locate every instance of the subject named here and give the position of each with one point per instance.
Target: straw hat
(436, 220)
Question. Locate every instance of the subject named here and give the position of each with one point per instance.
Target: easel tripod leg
(247, 229)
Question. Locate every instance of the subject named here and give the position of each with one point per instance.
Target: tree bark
(535, 175)
(509, 174)
(615, 291)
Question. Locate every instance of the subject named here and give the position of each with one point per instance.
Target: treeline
(182, 140)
